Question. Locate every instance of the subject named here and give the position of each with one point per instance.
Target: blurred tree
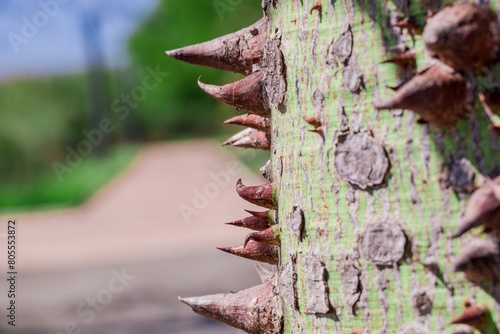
(178, 108)
(97, 88)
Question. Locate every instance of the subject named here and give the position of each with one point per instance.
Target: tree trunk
(368, 200)
(350, 253)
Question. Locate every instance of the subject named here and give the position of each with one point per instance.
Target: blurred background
(111, 165)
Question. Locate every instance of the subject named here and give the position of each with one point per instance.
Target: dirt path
(136, 225)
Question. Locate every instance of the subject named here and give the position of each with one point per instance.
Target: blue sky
(46, 36)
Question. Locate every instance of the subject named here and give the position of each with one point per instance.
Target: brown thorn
(313, 120)
(259, 195)
(473, 316)
(483, 209)
(405, 60)
(252, 222)
(465, 36)
(250, 138)
(255, 251)
(318, 130)
(247, 94)
(254, 310)
(437, 95)
(479, 261)
(252, 121)
(227, 52)
(264, 215)
(266, 236)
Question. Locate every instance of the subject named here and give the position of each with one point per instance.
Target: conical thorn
(405, 60)
(483, 209)
(318, 130)
(254, 310)
(479, 261)
(437, 95)
(464, 35)
(267, 236)
(236, 52)
(252, 223)
(313, 120)
(259, 195)
(252, 121)
(250, 138)
(255, 251)
(264, 215)
(247, 94)
(473, 316)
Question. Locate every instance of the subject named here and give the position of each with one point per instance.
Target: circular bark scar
(422, 301)
(382, 243)
(461, 175)
(342, 48)
(360, 160)
(352, 78)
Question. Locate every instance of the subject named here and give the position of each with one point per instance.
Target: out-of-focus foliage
(178, 107)
(38, 117)
(45, 190)
(41, 117)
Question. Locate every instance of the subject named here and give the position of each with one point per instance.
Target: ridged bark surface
(376, 254)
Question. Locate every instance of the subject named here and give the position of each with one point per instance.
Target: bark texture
(368, 204)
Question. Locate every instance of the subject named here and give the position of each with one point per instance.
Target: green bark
(414, 195)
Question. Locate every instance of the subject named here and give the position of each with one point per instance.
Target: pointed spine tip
(252, 222)
(250, 138)
(255, 251)
(252, 121)
(227, 53)
(437, 95)
(201, 84)
(246, 94)
(405, 60)
(264, 215)
(318, 130)
(253, 310)
(473, 316)
(172, 53)
(313, 120)
(224, 249)
(263, 195)
(464, 227)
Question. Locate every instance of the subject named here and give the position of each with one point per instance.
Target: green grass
(47, 191)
